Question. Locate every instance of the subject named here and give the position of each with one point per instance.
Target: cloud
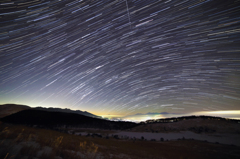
(147, 116)
(155, 113)
(233, 114)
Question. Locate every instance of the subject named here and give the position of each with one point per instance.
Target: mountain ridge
(66, 110)
(8, 109)
(53, 120)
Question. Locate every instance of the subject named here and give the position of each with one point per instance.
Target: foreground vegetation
(21, 142)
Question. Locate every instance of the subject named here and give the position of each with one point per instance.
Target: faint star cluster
(121, 56)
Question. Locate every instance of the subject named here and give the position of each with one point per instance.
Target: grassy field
(21, 142)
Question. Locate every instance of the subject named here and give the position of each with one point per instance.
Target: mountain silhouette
(51, 119)
(8, 109)
(68, 111)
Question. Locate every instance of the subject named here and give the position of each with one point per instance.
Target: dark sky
(119, 58)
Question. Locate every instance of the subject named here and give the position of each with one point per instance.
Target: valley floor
(21, 142)
(223, 138)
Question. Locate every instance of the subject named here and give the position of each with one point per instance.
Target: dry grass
(61, 144)
(23, 142)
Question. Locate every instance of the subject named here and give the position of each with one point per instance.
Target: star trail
(121, 57)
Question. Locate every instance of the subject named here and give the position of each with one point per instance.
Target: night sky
(151, 58)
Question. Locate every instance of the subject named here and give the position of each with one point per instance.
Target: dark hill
(196, 124)
(68, 111)
(8, 109)
(48, 119)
